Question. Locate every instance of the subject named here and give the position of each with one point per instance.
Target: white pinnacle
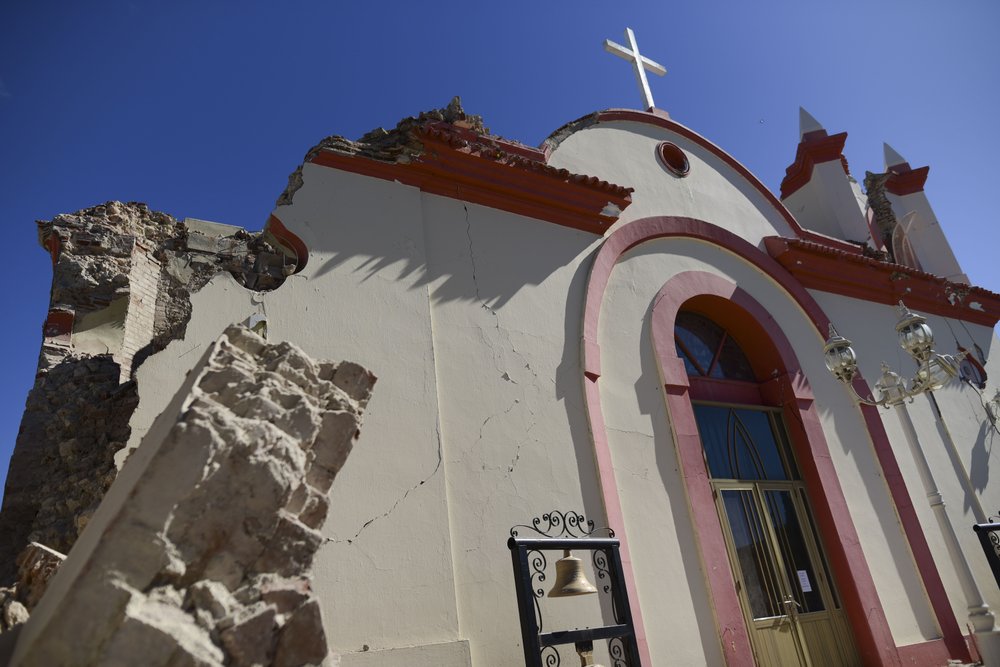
(892, 158)
(640, 64)
(807, 123)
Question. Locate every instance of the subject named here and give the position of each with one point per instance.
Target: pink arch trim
(791, 391)
(878, 641)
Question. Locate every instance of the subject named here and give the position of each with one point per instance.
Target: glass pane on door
(740, 444)
(794, 553)
(759, 573)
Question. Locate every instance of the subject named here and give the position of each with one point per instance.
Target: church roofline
(662, 120)
(821, 267)
(450, 154)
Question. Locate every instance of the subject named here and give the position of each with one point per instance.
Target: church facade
(626, 323)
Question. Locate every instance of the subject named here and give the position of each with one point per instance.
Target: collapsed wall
(201, 552)
(121, 285)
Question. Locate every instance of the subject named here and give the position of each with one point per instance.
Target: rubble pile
(202, 551)
(122, 279)
(35, 566)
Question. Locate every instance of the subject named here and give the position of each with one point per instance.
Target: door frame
(804, 624)
(787, 391)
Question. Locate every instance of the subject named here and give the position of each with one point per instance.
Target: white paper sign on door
(804, 582)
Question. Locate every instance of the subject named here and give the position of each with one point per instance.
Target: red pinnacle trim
(815, 148)
(905, 181)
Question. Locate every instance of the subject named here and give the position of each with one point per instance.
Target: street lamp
(916, 338)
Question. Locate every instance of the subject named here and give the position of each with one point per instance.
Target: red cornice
(904, 180)
(463, 164)
(815, 148)
(827, 269)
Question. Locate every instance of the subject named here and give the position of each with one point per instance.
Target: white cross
(640, 62)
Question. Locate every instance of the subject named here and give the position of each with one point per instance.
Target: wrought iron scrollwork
(562, 524)
(616, 651)
(538, 563)
(989, 539)
(994, 536)
(569, 531)
(601, 568)
(550, 656)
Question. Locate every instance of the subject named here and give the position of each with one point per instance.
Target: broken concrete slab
(200, 551)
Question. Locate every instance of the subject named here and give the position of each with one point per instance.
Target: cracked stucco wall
(468, 315)
(501, 296)
(362, 296)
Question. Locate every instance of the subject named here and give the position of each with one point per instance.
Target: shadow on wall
(979, 465)
(855, 441)
(650, 398)
(569, 389)
(468, 252)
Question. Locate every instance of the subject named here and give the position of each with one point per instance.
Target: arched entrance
(791, 391)
(807, 494)
(786, 591)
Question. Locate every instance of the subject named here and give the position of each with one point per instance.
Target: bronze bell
(570, 579)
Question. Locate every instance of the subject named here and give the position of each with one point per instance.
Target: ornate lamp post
(915, 336)
(933, 372)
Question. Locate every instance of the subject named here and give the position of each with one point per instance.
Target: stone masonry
(121, 285)
(201, 552)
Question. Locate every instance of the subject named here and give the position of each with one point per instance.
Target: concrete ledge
(449, 654)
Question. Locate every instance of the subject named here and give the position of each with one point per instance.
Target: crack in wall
(486, 421)
(472, 258)
(369, 522)
(628, 431)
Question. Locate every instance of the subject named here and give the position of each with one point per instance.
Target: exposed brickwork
(140, 321)
(75, 420)
(884, 218)
(122, 279)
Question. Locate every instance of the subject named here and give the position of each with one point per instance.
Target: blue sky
(203, 109)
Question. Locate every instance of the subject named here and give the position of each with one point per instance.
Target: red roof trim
(815, 148)
(283, 236)
(462, 164)
(822, 268)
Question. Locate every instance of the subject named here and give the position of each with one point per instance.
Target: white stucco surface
(927, 236)
(871, 328)
(624, 153)
(831, 203)
(472, 320)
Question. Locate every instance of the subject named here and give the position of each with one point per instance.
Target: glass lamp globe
(839, 356)
(939, 370)
(914, 335)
